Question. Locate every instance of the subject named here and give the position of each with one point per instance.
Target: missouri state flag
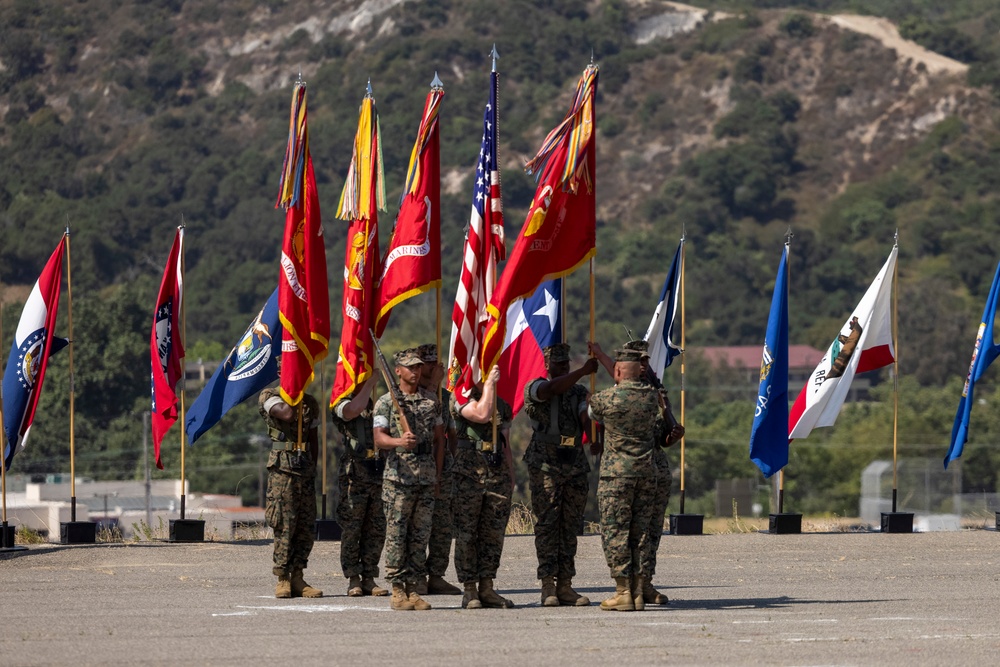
(250, 367)
(983, 354)
(34, 343)
(769, 434)
(412, 262)
(166, 345)
(535, 324)
(864, 343)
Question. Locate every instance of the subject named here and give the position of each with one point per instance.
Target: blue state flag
(249, 368)
(660, 333)
(769, 436)
(983, 354)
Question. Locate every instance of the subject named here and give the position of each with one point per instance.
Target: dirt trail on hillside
(886, 32)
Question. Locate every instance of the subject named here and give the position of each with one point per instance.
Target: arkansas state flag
(303, 289)
(412, 263)
(983, 354)
(863, 344)
(559, 233)
(769, 434)
(33, 344)
(166, 345)
(363, 195)
(536, 323)
(250, 367)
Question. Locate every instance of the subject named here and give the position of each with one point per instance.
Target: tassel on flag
(412, 263)
(166, 346)
(559, 233)
(769, 435)
(34, 343)
(863, 344)
(983, 354)
(484, 248)
(660, 332)
(360, 201)
(303, 289)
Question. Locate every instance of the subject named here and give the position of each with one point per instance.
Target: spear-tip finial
(788, 235)
(436, 84)
(895, 238)
(628, 332)
(495, 56)
(368, 90)
(591, 56)
(684, 232)
(298, 80)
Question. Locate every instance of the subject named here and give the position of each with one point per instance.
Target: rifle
(394, 391)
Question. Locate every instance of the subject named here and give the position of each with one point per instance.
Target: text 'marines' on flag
(863, 344)
(660, 332)
(34, 343)
(250, 367)
(412, 263)
(769, 435)
(559, 233)
(303, 290)
(983, 354)
(535, 324)
(484, 249)
(166, 344)
(362, 197)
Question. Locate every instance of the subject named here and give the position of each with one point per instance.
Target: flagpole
(3, 457)
(183, 372)
(437, 339)
(322, 392)
(593, 376)
(72, 388)
(788, 282)
(683, 361)
(895, 367)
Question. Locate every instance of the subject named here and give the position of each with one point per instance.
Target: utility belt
(298, 459)
(493, 454)
(368, 459)
(566, 445)
(421, 449)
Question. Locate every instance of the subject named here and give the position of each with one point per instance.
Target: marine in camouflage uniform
(557, 465)
(442, 532)
(290, 509)
(630, 412)
(410, 479)
(483, 486)
(360, 511)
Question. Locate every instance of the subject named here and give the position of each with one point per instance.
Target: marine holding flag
(167, 345)
(34, 343)
(559, 233)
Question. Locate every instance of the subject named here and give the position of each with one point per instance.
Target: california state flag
(863, 344)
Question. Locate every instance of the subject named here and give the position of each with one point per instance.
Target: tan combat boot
(489, 597)
(436, 585)
(622, 599)
(300, 589)
(638, 582)
(567, 596)
(369, 587)
(421, 586)
(470, 599)
(413, 596)
(399, 601)
(354, 589)
(549, 598)
(653, 596)
(284, 587)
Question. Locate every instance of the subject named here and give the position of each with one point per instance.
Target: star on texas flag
(536, 324)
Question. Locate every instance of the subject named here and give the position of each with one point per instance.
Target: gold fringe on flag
(290, 187)
(366, 164)
(427, 125)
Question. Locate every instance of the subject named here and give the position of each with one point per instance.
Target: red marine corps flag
(303, 290)
(363, 195)
(166, 345)
(559, 233)
(412, 263)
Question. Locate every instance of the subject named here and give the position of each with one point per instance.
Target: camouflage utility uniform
(482, 494)
(291, 485)
(360, 510)
(408, 487)
(442, 530)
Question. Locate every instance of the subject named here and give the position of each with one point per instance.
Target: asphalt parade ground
(735, 599)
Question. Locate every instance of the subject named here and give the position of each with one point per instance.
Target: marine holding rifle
(407, 424)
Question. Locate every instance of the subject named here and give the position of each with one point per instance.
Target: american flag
(484, 247)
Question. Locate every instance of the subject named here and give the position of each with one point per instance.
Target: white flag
(863, 344)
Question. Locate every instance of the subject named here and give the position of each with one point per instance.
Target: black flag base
(7, 539)
(897, 522)
(77, 532)
(686, 524)
(327, 530)
(786, 523)
(997, 524)
(187, 530)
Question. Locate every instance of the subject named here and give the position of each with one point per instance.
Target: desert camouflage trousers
(626, 506)
(439, 547)
(291, 514)
(558, 502)
(361, 515)
(481, 512)
(409, 511)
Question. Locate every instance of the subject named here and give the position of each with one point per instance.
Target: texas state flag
(535, 323)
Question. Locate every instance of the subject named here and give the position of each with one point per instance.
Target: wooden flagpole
(183, 371)
(683, 369)
(3, 456)
(895, 366)
(72, 387)
(323, 454)
(593, 376)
